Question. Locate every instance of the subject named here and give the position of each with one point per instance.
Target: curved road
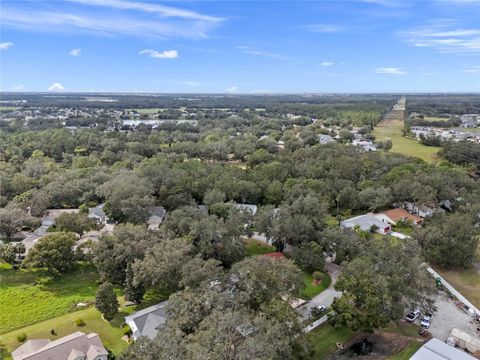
(325, 297)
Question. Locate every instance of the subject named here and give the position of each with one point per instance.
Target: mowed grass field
(392, 129)
(467, 282)
(30, 296)
(8, 108)
(148, 111)
(325, 337)
(110, 332)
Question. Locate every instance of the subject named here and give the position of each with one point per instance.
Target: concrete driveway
(325, 297)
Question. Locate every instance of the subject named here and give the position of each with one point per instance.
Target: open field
(467, 282)
(435, 118)
(325, 337)
(148, 111)
(30, 296)
(392, 130)
(8, 108)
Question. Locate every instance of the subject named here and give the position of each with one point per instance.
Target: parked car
(412, 315)
(321, 307)
(317, 310)
(426, 321)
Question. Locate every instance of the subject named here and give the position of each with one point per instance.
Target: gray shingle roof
(148, 321)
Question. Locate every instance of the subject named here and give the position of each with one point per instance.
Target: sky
(240, 46)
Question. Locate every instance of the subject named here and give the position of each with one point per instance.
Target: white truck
(464, 340)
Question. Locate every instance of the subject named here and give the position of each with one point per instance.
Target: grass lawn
(255, 247)
(310, 289)
(393, 130)
(435, 118)
(30, 296)
(110, 332)
(325, 337)
(467, 282)
(403, 328)
(406, 353)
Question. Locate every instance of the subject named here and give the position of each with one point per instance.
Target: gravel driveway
(449, 316)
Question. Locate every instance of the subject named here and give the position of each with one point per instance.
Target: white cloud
(165, 11)
(445, 37)
(157, 21)
(231, 89)
(6, 45)
(19, 87)
(56, 87)
(191, 83)
(166, 54)
(75, 52)
(472, 69)
(252, 51)
(390, 70)
(323, 28)
(327, 63)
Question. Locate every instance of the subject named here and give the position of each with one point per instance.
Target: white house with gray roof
(98, 214)
(366, 223)
(148, 321)
(76, 346)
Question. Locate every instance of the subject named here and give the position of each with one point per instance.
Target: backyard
(325, 337)
(466, 281)
(30, 296)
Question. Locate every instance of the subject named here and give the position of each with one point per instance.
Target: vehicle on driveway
(412, 315)
(318, 310)
(426, 321)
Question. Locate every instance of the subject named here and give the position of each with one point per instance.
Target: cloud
(390, 70)
(231, 89)
(327, 63)
(252, 51)
(166, 54)
(6, 45)
(75, 52)
(164, 11)
(191, 83)
(323, 28)
(473, 69)
(19, 87)
(56, 87)
(119, 18)
(445, 37)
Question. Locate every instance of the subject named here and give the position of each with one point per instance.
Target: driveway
(325, 297)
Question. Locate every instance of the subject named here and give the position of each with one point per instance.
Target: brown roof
(401, 214)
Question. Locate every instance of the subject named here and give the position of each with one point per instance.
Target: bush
(127, 331)
(22, 338)
(317, 275)
(80, 322)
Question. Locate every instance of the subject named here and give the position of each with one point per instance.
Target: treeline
(443, 105)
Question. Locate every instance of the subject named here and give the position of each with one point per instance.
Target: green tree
(13, 219)
(10, 253)
(449, 240)
(54, 252)
(106, 301)
(77, 223)
(309, 256)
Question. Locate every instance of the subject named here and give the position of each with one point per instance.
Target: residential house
(252, 209)
(325, 139)
(367, 222)
(157, 214)
(76, 346)
(395, 215)
(148, 321)
(365, 145)
(98, 214)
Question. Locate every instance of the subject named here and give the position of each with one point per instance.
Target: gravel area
(449, 316)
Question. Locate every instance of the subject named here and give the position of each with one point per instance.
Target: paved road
(325, 297)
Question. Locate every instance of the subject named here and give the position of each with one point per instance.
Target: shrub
(22, 338)
(80, 322)
(127, 331)
(317, 275)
